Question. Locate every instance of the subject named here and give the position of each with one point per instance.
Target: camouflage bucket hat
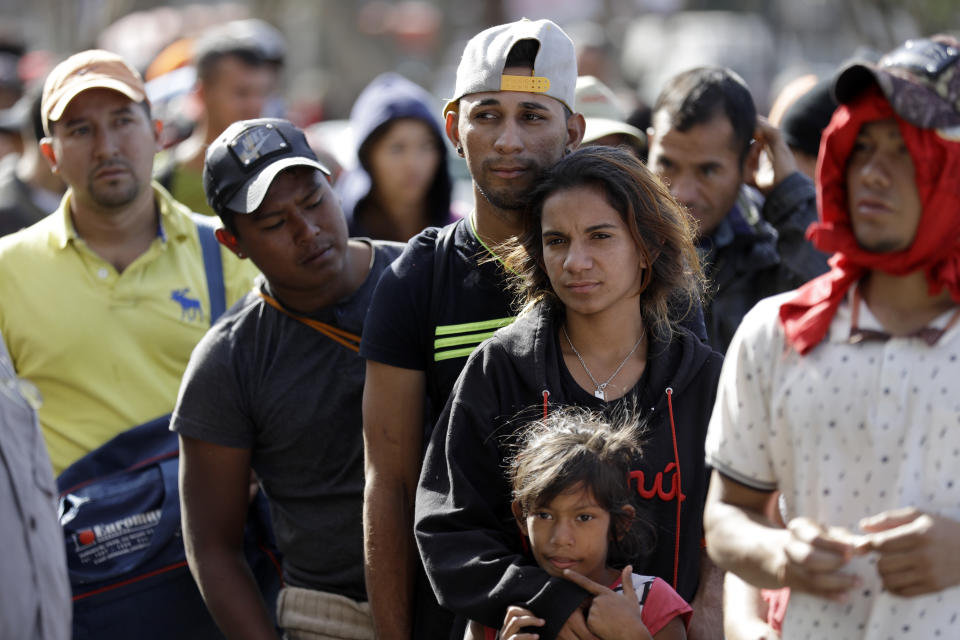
(921, 79)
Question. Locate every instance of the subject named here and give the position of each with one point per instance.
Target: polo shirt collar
(170, 225)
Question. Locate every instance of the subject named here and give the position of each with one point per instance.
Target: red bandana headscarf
(935, 250)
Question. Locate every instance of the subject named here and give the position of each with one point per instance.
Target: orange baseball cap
(92, 69)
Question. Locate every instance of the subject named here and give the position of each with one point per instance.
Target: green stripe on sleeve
(469, 327)
(454, 353)
(471, 338)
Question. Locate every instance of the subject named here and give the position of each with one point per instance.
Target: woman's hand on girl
(613, 616)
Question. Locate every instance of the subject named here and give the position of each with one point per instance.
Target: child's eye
(584, 517)
(542, 515)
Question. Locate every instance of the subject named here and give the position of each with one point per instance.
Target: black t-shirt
(435, 304)
(264, 381)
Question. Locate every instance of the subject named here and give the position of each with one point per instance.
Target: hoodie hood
(389, 97)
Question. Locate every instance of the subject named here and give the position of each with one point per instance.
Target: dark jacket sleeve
(791, 207)
(469, 543)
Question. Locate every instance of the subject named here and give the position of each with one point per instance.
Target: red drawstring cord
(676, 458)
(546, 394)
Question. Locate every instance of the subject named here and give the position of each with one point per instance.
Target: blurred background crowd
(324, 52)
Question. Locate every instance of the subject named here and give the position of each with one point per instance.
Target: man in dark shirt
(275, 387)
(511, 116)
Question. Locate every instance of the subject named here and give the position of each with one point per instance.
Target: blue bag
(120, 512)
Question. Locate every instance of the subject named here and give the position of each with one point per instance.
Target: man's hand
(775, 163)
(813, 559)
(613, 616)
(518, 618)
(919, 553)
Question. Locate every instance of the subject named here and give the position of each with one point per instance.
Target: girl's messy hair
(574, 447)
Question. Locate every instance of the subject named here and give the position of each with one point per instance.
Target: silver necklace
(601, 387)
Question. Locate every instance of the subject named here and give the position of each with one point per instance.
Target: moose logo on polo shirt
(190, 308)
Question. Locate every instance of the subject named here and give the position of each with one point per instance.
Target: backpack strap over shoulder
(212, 264)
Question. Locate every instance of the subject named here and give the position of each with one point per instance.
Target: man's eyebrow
(488, 102)
(75, 121)
(309, 196)
(535, 105)
(260, 214)
(116, 112)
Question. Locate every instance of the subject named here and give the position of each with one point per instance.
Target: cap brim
(601, 127)
(852, 80)
(251, 194)
(95, 83)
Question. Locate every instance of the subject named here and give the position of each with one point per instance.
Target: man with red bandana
(843, 393)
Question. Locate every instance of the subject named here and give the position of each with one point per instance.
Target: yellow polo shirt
(105, 349)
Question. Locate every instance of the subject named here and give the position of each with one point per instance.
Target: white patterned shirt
(844, 432)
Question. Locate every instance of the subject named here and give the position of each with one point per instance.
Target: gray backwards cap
(243, 161)
(554, 70)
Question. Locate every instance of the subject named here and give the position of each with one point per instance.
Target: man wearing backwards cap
(104, 299)
(276, 387)
(843, 394)
(511, 117)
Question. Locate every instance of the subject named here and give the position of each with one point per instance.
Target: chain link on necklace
(601, 387)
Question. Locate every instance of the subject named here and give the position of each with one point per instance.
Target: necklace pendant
(599, 393)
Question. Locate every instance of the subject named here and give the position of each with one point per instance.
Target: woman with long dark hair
(607, 269)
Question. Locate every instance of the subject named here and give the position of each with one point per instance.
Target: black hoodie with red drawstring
(471, 547)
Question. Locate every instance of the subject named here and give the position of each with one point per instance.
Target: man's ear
(623, 521)
(230, 241)
(576, 126)
(452, 129)
(46, 148)
(752, 162)
(157, 131)
(519, 517)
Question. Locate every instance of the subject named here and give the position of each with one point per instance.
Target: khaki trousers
(308, 614)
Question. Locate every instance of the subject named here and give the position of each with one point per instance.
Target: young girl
(571, 500)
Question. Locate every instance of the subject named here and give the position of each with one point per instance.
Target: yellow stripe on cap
(531, 84)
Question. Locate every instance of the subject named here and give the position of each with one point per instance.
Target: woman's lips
(581, 287)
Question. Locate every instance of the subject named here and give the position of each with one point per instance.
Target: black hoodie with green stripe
(469, 543)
